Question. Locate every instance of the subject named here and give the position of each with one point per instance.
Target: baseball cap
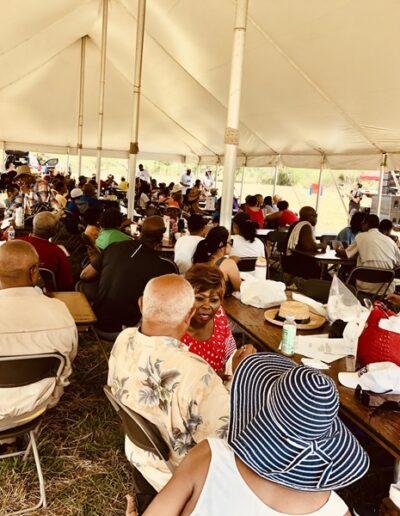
(379, 377)
(76, 192)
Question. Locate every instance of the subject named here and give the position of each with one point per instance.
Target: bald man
(301, 238)
(155, 375)
(123, 269)
(51, 256)
(30, 323)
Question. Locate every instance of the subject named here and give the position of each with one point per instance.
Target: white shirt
(185, 248)
(226, 492)
(246, 249)
(144, 175)
(32, 323)
(187, 181)
(374, 250)
(208, 182)
(143, 200)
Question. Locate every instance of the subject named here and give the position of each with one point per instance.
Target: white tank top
(226, 493)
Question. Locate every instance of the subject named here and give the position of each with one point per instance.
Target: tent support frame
(81, 102)
(102, 84)
(382, 173)
(232, 130)
(137, 83)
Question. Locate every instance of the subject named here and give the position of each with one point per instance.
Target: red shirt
(256, 216)
(53, 258)
(219, 347)
(287, 218)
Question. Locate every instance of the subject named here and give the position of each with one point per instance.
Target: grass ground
(81, 451)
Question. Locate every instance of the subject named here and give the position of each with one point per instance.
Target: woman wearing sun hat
(287, 450)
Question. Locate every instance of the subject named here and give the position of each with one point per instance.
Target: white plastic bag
(262, 293)
(342, 303)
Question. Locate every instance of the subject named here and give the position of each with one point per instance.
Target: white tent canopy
(320, 78)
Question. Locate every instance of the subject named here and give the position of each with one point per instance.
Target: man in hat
(287, 451)
(186, 245)
(32, 196)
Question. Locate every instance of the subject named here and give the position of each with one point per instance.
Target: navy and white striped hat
(284, 426)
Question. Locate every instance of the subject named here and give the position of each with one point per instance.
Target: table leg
(323, 269)
(396, 478)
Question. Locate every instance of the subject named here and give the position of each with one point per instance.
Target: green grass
(81, 451)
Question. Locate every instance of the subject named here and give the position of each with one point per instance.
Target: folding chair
(18, 371)
(275, 242)
(49, 279)
(247, 264)
(382, 277)
(146, 436)
(316, 289)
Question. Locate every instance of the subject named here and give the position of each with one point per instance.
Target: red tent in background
(370, 176)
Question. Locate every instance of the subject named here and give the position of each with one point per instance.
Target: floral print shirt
(158, 378)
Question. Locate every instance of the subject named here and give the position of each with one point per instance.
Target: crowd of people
(255, 445)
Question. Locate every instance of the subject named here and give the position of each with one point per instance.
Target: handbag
(376, 344)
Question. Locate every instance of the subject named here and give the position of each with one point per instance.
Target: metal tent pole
(321, 170)
(81, 102)
(277, 163)
(134, 146)
(382, 173)
(102, 84)
(241, 185)
(339, 192)
(232, 129)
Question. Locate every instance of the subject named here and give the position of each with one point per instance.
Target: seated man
(155, 375)
(374, 249)
(186, 245)
(123, 270)
(31, 323)
(301, 238)
(51, 256)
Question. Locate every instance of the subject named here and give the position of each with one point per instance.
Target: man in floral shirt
(155, 375)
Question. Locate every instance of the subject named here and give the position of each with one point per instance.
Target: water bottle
(288, 336)
(11, 233)
(19, 217)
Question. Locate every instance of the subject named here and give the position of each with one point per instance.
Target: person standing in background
(355, 197)
(186, 181)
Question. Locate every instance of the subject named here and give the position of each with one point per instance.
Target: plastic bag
(342, 303)
(262, 293)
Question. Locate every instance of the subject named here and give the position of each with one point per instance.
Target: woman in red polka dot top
(209, 335)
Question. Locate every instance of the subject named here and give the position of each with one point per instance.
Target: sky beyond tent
(320, 78)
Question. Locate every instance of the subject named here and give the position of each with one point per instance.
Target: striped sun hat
(284, 426)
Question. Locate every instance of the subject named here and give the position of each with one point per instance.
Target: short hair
(251, 200)
(196, 222)
(385, 225)
(167, 299)
(205, 277)
(111, 218)
(282, 205)
(356, 222)
(88, 189)
(91, 216)
(45, 223)
(372, 221)
(268, 200)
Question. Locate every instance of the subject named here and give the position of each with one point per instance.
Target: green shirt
(109, 236)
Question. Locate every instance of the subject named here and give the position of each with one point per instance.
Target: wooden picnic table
(383, 427)
(79, 308)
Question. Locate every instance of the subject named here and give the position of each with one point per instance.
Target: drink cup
(133, 229)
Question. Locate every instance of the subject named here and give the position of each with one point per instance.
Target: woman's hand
(241, 354)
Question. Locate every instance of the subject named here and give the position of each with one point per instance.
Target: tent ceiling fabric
(320, 78)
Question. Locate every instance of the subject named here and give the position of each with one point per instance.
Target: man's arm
(91, 271)
(307, 242)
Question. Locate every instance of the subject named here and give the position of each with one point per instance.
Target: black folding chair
(381, 277)
(316, 289)
(276, 241)
(18, 371)
(247, 264)
(144, 435)
(49, 279)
